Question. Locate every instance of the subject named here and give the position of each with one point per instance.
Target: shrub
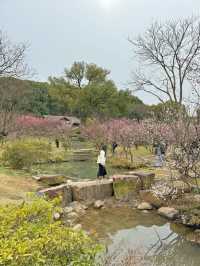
(30, 236)
(122, 163)
(24, 153)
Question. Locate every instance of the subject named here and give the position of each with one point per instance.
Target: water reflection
(161, 243)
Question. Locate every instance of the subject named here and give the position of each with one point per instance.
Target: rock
(194, 237)
(77, 227)
(150, 197)
(168, 212)
(191, 217)
(98, 204)
(92, 190)
(126, 187)
(146, 179)
(78, 207)
(145, 206)
(69, 223)
(56, 216)
(62, 190)
(51, 180)
(145, 211)
(72, 216)
(67, 209)
(188, 204)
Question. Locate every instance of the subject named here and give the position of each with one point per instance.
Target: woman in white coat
(101, 161)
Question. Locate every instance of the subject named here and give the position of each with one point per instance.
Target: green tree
(76, 73)
(82, 74)
(64, 94)
(96, 100)
(96, 74)
(38, 101)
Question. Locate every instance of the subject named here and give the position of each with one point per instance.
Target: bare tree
(167, 54)
(12, 90)
(13, 93)
(12, 58)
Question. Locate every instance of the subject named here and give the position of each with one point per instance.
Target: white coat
(102, 158)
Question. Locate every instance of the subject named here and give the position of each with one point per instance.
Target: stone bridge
(123, 187)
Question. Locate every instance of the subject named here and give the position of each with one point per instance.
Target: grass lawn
(14, 185)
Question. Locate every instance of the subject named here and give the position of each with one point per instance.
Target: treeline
(85, 90)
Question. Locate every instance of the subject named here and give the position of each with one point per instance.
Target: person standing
(114, 146)
(159, 152)
(101, 161)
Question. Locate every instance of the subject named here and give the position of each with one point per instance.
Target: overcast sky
(63, 31)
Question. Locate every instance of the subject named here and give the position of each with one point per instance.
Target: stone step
(92, 190)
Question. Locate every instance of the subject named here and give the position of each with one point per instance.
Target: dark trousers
(101, 171)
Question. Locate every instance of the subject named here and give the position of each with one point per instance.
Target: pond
(161, 242)
(80, 164)
(75, 169)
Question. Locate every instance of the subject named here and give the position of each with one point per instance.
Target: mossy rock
(126, 188)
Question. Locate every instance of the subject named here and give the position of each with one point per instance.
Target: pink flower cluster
(127, 132)
(39, 126)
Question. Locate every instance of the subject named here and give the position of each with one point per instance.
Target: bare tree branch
(12, 58)
(167, 51)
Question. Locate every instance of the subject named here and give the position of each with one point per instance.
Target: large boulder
(150, 197)
(51, 180)
(169, 213)
(126, 187)
(92, 190)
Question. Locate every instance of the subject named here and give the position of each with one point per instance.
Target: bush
(24, 153)
(30, 236)
(122, 163)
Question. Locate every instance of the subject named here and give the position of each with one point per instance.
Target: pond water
(160, 242)
(75, 169)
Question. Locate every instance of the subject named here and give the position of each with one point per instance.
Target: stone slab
(51, 180)
(92, 190)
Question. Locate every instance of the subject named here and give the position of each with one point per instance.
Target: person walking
(159, 152)
(101, 161)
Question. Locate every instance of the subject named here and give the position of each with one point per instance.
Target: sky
(60, 32)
